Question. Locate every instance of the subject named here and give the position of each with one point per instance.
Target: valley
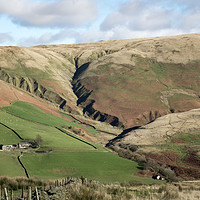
(111, 111)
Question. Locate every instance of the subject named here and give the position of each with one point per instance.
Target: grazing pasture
(59, 154)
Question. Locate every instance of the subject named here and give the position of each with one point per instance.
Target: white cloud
(138, 16)
(69, 21)
(153, 18)
(58, 13)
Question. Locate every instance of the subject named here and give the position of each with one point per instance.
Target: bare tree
(39, 139)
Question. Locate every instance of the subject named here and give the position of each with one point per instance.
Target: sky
(34, 22)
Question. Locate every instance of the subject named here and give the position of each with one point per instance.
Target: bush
(168, 173)
(152, 165)
(133, 148)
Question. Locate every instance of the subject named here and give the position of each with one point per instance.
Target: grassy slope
(69, 157)
(27, 111)
(7, 136)
(181, 143)
(9, 165)
(102, 166)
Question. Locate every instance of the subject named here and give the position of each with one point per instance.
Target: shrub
(168, 173)
(152, 165)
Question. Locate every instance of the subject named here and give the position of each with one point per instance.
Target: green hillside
(59, 155)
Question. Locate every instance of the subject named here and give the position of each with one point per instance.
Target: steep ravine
(32, 86)
(86, 103)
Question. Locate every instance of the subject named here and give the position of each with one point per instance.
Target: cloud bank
(59, 13)
(92, 20)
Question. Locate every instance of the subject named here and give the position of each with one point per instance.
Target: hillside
(87, 94)
(169, 146)
(125, 83)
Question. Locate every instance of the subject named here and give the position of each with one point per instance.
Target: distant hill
(126, 83)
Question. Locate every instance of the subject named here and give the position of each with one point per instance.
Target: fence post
(1, 192)
(22, 195)
(36, 191)
(29, 193)
(6, 193)
(11, 195)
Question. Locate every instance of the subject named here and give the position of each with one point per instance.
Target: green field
(103, 166)
(7, 136)
(9, 165)
(30, 112)
(64, 156)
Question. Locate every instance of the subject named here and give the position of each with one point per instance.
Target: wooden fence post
(29, 193)
(36, 191)
(1, 192)
(22, 195)
(11, 195)
(6, 193)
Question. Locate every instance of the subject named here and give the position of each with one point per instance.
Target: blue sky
(34, 22)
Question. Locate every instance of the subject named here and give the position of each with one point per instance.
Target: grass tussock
(80, 189)
(20, 182)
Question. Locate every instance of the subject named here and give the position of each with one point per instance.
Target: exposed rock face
(32, 86)
(82, 93)
(86, 103)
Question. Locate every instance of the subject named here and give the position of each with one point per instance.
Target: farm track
(12, 131)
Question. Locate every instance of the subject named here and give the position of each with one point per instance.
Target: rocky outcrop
(102, 117)
(87, 104)
(81, 92)
(32, 86)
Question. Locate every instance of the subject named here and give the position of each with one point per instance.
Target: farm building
(8, 147)
(24, 145)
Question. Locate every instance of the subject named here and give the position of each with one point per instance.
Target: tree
(38, 139)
